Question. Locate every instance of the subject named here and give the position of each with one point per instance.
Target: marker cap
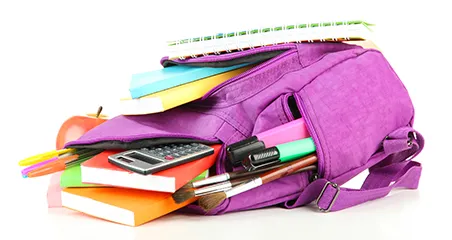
(240, 150)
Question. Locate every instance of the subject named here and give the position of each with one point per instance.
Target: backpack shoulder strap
(391, 172)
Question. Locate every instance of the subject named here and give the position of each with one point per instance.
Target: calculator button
(194, 144)
(176, 155)
(155, 155)
(158, 149)
(169, 157)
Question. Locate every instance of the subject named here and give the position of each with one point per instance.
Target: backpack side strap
(399, 172)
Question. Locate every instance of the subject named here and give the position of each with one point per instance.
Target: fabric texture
(356, 109)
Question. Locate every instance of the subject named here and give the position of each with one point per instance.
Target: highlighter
(291, 131)
(278, 154)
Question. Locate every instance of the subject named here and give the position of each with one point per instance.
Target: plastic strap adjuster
(334, 185)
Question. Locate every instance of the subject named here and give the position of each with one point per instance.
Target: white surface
(59, 59)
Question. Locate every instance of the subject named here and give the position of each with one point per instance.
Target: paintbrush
(209, 202)
(224, 177)
(183, 195)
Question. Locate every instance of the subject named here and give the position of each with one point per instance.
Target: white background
(59, 59)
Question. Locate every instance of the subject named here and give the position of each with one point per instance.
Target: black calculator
(157, 158)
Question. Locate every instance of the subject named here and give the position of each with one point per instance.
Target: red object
(98, 170)
(76, 126)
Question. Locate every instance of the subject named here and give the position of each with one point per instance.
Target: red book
(98, 170)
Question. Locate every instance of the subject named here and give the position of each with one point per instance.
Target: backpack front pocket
(179, 125)
(351, 108)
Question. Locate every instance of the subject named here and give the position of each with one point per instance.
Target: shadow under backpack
(355, 107)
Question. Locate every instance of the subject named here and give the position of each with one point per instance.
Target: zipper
(168, 136)
(315, 138)
(144, 138)
(247, 73)
(234, 55)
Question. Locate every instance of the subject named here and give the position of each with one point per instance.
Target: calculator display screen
(143, 158)
(125, 159)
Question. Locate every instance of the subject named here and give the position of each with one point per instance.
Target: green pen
(281, 153)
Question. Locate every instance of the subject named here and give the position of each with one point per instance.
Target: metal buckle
(334, 185)
(411, 137)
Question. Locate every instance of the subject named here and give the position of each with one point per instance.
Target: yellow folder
(173, 97)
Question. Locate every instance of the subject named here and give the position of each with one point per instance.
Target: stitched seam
(245, 131)
(320, 130)
(315, 78)
(252, 95)
(216, 132)
(283, 111)
(227, 119)
(299, 58)
(238, 81)
(332, 66)
(280, 111)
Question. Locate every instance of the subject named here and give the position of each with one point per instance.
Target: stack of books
(163, 89)
(101, 189)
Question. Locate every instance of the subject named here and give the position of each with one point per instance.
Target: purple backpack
(357, 111)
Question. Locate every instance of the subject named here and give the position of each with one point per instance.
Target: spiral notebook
(222, 43)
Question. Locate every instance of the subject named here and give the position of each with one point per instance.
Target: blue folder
(146, 83)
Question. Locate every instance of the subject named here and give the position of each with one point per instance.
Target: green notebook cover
(72, 177)
(203, 175)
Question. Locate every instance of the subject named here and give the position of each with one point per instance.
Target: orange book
(130, 207)
(98, 170)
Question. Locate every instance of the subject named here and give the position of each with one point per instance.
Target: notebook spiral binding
(243, 40)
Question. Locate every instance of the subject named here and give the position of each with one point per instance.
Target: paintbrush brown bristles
(186, 187)
(182, 195)
(211, 201)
